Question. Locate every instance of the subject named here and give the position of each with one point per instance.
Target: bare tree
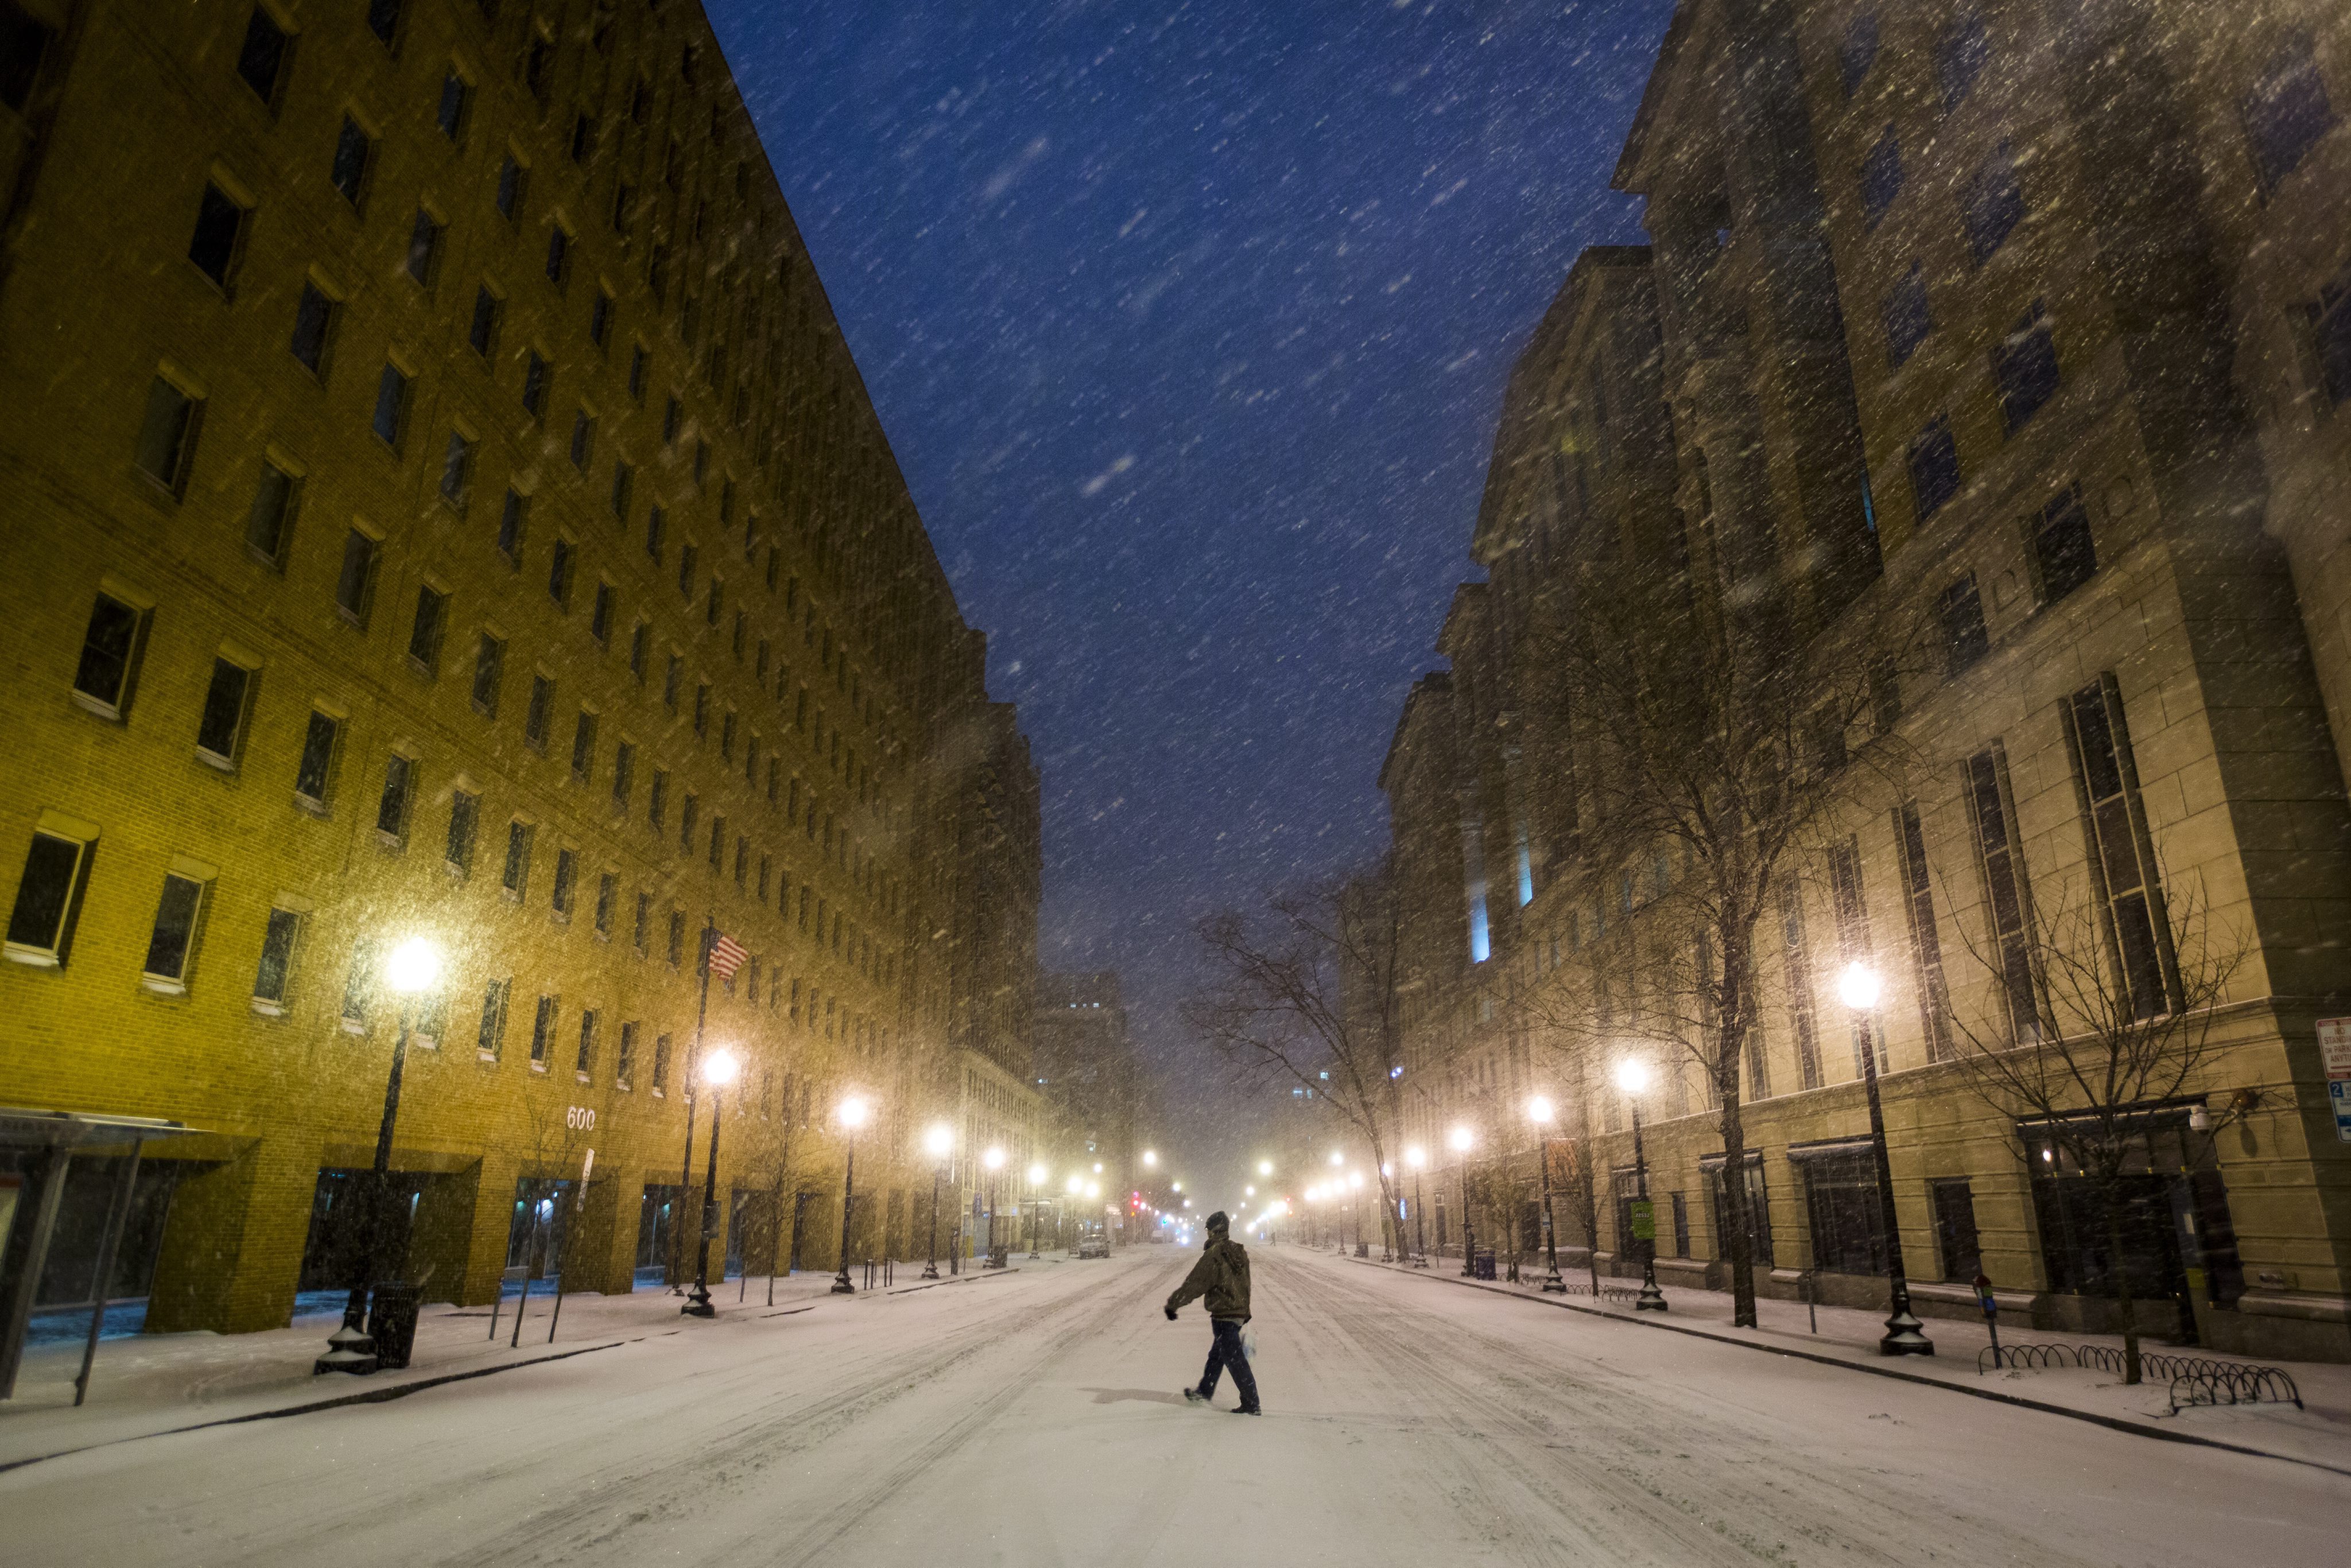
(1305, 994)
(2103, 1014)
(1701, 721)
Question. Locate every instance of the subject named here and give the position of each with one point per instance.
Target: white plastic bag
(1248, 1343)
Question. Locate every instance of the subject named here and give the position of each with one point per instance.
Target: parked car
(1093, 1246)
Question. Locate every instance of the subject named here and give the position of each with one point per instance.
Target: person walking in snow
(1222, 1275)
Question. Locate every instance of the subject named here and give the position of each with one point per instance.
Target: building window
(1848, 1223)
(567, 875)
(1881, 175)
(642, 931)
(624, 477)
(600, 319)
(599, 617)
(685, 571)
(1934, 464)
(272, 977)
(583, 1066)
(493, 1033)
(716, 603)
(2064, 556)
(2001, 863)
(625, 768)
(607, 888)
(1797, 960)
(660, 1064)
(625, 1065)
(1906, 316)
(2122, 863)
(559, 257)
(512, 178)
(111, 644)
(657, 802)
(656, 524)
(677, 938)
(541, 710)
(701, 709)
(1961, 53)
(583, 439)
(641, 641)
(1993, 203)
(2024, 364)
(354, 154)
(1953, 1205)
(584, 745)
(48, 899)
(425, 247)
(1858, 50)
(558, 573)
(314, 324)
(424, 634)
(383, 19)
(355, 583)
(516, 877)
(392, 807)
(689, 814)
(1925, 941)
(489, 673)
(314, 775)
(672, 680)
(465, 818)
(542, 1033)
(358, 986)
(624, 203)
(261, 61)
(457, 469)
(270, 520)
(227, 699)
(219, 236)
(536, 377)
(640, 363)
(484, 333)
(535, 65)
(2286, 110)
(511, 518)
(391, 419)
(1959, 612)
(167, 436)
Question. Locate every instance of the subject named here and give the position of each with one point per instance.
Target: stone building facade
(446, 507)
(2029, 327)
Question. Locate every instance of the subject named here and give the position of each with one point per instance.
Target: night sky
(1188, 325)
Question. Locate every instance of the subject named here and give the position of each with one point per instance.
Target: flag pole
(686, 1162)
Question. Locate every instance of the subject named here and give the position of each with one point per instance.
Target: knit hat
(1218, 1221)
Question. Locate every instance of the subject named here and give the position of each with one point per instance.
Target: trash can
(1485, 1270)
(391, 1323)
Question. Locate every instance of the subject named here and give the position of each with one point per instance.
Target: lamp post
(719, 1070)
(1633, 1077)
(852, 1114)
(411, 970)
(1416, 1156)
(1540, 1112)
(1036, 1174)
(1355, 1186)
(994, 1161)
(1858, 989)
(939, 1142)
(1460, 1140)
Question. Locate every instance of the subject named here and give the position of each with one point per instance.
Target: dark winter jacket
(1222, 1276)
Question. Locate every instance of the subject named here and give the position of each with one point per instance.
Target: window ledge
(489, 1056)
(164, 986)
(424, 1042)
(268, 1008)
(392, 843)
(110, 712)
(36, 957)
(561, 916)
(458, 871)
(581, 1076)
(215, 760)
(512, 895)
(538, 1066)
(316, 808)
(355, 1025)
(659, 1093)
(423, 671)
(621, 1084)
(351, 617)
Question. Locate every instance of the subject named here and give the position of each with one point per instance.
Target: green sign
(1645, 1220)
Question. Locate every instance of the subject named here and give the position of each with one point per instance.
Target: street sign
(2335, 1048)
(1644, 1220)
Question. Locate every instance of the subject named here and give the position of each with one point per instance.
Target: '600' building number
(580, 1119)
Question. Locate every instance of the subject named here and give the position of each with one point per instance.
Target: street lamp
(939, 1142)
(1355, 1185)
(410, 970)
(1460, 1139)
(1541, 1111)
(1150, 1159)
(1633, 1077)
(994, 1160)
(853, 1113)
(719, 1070)
(1859, 989)
(1036, 1175)
(1416, 1156)
(1265, 1167)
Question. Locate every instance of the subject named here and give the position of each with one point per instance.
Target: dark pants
(1225, 1351)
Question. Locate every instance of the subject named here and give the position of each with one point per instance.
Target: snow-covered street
(1034, 1419)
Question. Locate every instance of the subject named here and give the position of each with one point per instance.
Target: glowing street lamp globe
(854, 1112)
(1416, 1156)
(939, 1142)
(720, 1068)
(1036, 1175)
(1632, 1075)
(1150, 1159)
(1460, 1139)
(1265, 1167)
(1539, 1111)
(992, 1159)
(1859, 987)
(412, 967)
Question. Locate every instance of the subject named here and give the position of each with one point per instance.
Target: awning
(23, 1126)
(1829, 1149)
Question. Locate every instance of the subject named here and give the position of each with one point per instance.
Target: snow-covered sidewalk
(149, 1383)
(2319, 1433)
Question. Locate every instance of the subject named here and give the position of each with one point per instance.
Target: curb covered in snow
(2117, 1423)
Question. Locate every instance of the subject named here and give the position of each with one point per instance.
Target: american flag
(725, 957)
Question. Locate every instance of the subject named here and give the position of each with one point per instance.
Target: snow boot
(1247, 1410)
(1194, 1396)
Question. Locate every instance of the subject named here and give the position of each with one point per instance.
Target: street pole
(841, 1282)
(685, 1161)
(1419, 1226)
(354, 1348)
(697, 1303)
(1552, 1284)
(1651, 1299)
(931, 1268)
(1904, 1333)
(1469, 1239)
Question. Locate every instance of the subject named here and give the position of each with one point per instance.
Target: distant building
(442, 503)
(2033, 323)
(1087, 1072)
